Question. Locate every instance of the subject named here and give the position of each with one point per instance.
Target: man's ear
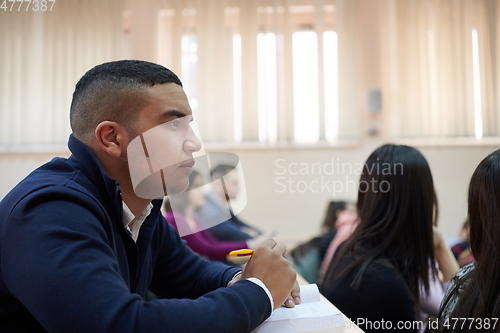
(111, 138)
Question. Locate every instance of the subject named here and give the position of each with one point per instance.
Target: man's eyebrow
(174, 113)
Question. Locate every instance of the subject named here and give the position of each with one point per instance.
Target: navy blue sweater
(68, 265)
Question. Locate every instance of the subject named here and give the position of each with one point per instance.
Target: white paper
(309, 315)
(309, 293)
(305, 310)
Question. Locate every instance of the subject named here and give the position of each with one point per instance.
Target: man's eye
(174, 123)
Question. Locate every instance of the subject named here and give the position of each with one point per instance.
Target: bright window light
(267, 87)
(331, 68)
(476, 82)
(189, 62)
(305, 86)
(237, 84)
(433, 86)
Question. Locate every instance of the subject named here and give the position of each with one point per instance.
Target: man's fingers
(295, 293)
(269, 243)
(280, 248)
(294, 297)
(289, 303)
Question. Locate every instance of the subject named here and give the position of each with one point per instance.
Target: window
(42, 59)
(331, 74)
(189, 61)
(443, 69)
(476, 83)
(238, 133)
(267, 71)
(271, 81)
(267, 87)
(305, 86)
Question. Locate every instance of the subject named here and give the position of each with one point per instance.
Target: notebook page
(309, 293)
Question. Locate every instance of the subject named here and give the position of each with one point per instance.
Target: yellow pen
(241, 253)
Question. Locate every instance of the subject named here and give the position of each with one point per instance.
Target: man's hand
(294, 296)
(268, 265)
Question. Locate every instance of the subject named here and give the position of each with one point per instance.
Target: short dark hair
(114, 91)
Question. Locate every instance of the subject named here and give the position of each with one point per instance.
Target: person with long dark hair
(474, 293)
(380, 274)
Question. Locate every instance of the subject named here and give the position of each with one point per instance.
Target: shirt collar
(129, 217)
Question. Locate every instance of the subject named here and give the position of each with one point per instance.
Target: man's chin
(178, 188)
(155, 186)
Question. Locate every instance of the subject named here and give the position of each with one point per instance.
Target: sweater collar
(93, 170)
(107, 187)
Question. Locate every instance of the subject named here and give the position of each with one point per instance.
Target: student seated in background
(328, 227)
(461, 250)
(216, 206)
(387, 266)
(182, 214)
(307, 257)
(345, 224)
(79, 247)
(475, 290)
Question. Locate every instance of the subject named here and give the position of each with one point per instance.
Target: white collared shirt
(133, 224)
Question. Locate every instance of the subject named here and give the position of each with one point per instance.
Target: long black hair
(397, 207)
(479, 296)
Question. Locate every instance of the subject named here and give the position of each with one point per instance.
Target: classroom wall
(297, 210)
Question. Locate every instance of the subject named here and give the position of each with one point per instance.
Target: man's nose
(192, 143)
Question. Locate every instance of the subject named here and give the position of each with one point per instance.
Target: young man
(79, 248)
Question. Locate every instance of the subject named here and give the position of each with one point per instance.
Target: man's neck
(135, 204)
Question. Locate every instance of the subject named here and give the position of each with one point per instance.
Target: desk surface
(349, 327)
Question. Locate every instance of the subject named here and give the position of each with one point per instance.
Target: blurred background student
(182, 214)
(345, 223)
(475, 290)
(307, 257)
(328, 227)
(216, 206)
(461, 249)
(386, 269)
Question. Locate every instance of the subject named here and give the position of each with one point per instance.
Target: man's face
(160, 158)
